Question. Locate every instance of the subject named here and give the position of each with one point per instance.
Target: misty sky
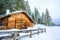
(52, 5)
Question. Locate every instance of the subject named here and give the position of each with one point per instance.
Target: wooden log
(30, 34)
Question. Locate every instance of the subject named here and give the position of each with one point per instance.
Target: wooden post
(30, 34)
(5, 38)
(15, 36)
(44, 30)
(38, 32)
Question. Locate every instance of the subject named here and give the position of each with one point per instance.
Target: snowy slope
(52, 33)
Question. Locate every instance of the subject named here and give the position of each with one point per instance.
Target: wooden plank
(30, 34)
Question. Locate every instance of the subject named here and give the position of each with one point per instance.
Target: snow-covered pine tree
(27, 8)
(48, 18)
(36, 15)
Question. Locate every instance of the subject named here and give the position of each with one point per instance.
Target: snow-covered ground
(52, 33)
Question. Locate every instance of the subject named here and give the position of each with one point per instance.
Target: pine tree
(37, 16)
(5, 4)
(19, 5)
(27, 8)
(33, 16)
(44, 20)
(48, 18)
(43, 17)
(12, 5)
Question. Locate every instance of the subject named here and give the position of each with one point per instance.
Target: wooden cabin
(17, 19)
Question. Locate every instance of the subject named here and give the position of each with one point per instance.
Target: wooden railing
(15, 33)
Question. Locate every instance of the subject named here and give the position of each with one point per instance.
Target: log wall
(18, 20)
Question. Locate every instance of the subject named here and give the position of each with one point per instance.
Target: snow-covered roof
(16, 12)
(19, 11)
